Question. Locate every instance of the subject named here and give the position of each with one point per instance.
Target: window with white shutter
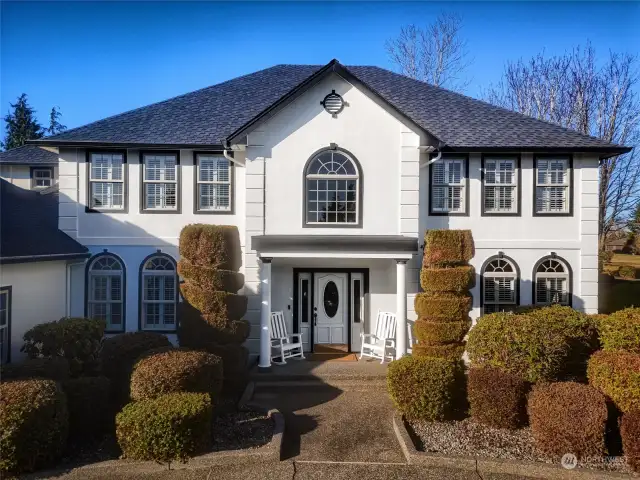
(448, 186)
(552, 282)
(107, 181)
(105, 299)
(160, 181)
(553, 185)
(499, 285)
(213, 183)
(159, 295)
(500, 183)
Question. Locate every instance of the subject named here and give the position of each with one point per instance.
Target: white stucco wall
(20, 175)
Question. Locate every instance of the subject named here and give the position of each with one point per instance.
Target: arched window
(332, 189)
(159, 293)
(552, 281)
(106, 290)
(500, 278)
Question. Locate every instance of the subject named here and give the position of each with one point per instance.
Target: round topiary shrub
(120, 353)
(89, 403)
(617, 375)
(424, 388)
(441, 333)
(53, 368)
(452, 352)
(448, 247)
(176, 370)
(33, 424)
(568, 417)
(442, 308)
(497, 398)
(630, 433)
(172, 427)
(621, 331)
(453, 279)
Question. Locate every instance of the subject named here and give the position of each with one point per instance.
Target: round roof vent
(333, 103)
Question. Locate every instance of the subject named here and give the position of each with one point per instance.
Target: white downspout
(430, 149)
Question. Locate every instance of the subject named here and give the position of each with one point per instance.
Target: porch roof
(335, 246)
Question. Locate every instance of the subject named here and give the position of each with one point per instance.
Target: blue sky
(95, 59)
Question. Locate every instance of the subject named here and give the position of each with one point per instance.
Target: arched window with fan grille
(500, 285)
(158, 293)
(552, 281)
(105, 283)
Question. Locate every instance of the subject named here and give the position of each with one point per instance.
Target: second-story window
(160, 180)
(553, 185)
(448, 186)
(107, 181)
(213, 183)
(500, 184)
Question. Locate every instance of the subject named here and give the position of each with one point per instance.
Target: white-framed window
(160, 181)
(448, 186)
(500, 185)
(553, 184)
(105, 298)
(41, 177)
(106, 181)
(5, 325)
(552, 282)
(213, 183)
(332, 189)
(159, 281)
(499, 285)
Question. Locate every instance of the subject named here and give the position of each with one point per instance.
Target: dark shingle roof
(28, 155)
(207, 116)
(29, 227)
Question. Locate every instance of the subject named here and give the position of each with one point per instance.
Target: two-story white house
(332, 175)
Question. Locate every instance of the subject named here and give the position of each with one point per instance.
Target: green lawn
(625, 259)
(616, 293)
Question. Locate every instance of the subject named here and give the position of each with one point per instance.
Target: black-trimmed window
(106, 291)
(553, 193)
(41, 177)
(449, 186)
(5, 325)
(500, 185)
(500, 285)
(213, 183)
(160, 182)
(158, 293)
(107, 181)
(552, 281)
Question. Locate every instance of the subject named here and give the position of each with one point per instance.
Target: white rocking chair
(283, 343)
(382, 343)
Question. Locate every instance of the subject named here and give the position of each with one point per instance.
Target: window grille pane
(169, 314)
(439, 172)
(152, 288)
(116, 315)
(551, 199)
(107, 195)
(214, 196)
(213, 169)
(447, 186)
(152, 314)
(455, 172)
(169, 288)
(116, 288)
(98, 311)
(333, 200)
(160, 168)
(99, 288)
(106, 166)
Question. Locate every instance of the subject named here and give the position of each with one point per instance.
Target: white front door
(331, 308)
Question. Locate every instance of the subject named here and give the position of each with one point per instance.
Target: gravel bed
(247, 428)
(467, 438)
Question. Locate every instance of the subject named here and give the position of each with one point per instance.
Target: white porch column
(401, 308)
(265, 312)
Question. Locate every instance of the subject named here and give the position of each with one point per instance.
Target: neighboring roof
(331, 243)
(29, 227)
(28, 155)
(215, 114)
(617, 242)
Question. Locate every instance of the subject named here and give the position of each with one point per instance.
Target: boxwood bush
(568, 417)
(617, 375)
(497, 398)
(214, 246)
(457, 279)
(630, 433)
(76, 339)
(33, 424)
(172, 427)
(424, 388)
(176, 370)
(621, 331)
(91, 412)
(53, 368)
(448, 247)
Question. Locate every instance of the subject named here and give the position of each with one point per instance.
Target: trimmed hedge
(235, 365)
(197, 330)
(628, 272)
(89, 405)
(452, 351)
(621, 331)
(176, 370)
(33, 424)
(568, 417)
(172, 427)
(224, 305)
(53, 368)
(617, 375)
(630, 433)
(424, 388)
(497, 398)
(120, 353)
(213, 246)
(211, 278)
(453, 279)
(443, 305)
(448, 247)
(441, 333)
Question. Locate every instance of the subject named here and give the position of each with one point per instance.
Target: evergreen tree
(634, 222)
(55, 126)
(21, 124)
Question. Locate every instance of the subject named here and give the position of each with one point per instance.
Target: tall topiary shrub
(212, 311)
(443, 308)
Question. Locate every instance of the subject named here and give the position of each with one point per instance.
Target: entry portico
(330, 287)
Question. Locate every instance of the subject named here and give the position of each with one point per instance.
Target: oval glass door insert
(331, 299)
